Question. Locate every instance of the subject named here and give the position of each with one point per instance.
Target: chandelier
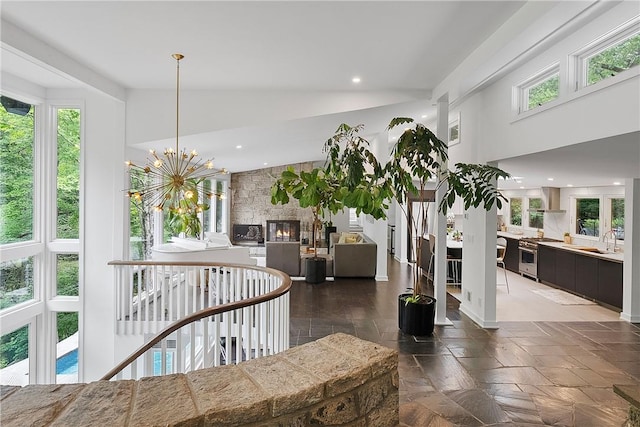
(172, 180)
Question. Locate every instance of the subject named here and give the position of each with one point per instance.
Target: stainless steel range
(528, 248)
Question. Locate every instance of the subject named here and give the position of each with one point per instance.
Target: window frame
(573, 215)
(45, 246)
(522, 90)
(608, 40)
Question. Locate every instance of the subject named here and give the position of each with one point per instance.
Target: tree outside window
(588, 217)
(515, 211)
(543, 92)
(617, 217)
(536, 219)
(613, 60)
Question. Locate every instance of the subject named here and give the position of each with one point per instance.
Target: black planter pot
(416, 318)
(316, 270)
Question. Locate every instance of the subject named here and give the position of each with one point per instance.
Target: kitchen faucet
(605, 239)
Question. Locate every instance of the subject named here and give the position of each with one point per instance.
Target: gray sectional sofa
(353, 258)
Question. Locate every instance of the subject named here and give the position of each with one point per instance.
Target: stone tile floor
(522, 374)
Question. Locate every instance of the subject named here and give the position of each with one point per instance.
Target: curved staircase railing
(238, 312)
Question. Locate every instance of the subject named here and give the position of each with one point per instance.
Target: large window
(617, 217)
(587, 222)
(39, 236)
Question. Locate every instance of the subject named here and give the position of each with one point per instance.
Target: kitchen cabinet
(566, 270)
(587, 276)
(512, 255)
(609, 280)
(547, 264)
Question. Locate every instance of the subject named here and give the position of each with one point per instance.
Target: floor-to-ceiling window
(40, 277)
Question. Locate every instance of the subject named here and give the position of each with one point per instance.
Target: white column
(440, 229)
(479, 267)
(631, 269)
(378, 230)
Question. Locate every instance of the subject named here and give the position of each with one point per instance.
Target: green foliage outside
(588, 217)
(16, 217)
(516, 211)
(614, 60)
(16, 185)
(543, 92)
(68, 184)
(14, 346)
(536, 219)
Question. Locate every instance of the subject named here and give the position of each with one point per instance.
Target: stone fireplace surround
(251, 199)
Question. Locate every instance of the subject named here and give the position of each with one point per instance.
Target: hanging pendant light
(173, 178)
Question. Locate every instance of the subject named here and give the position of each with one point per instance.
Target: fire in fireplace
(283, 230)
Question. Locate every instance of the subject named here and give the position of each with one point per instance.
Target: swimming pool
(68, 364)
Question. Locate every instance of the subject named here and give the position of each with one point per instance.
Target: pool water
(68, 364)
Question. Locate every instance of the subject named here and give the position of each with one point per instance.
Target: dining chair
(502, 250)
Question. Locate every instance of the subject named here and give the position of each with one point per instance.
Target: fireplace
(283, 230)
(247, 233)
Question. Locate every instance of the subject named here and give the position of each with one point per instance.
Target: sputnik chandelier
(173, 178)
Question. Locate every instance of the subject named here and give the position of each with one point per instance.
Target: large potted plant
(418, 159)
(315, 190)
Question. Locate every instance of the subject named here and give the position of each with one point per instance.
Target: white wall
(574, 119)
(104, 210)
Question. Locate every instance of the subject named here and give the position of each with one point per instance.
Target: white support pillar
(631, 269)
(378, 230)
(479, 267)
(440, 229)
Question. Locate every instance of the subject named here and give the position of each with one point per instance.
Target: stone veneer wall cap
(98, 404)
(381, 358)
(290, 387)
(37, 405)
(226, 395)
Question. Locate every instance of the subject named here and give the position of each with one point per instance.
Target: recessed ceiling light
(424, 116)
(356, 79)
(569, 185)
(238, 146)
(522, 187)
(265, 163)
(617, 183)
(549, 179)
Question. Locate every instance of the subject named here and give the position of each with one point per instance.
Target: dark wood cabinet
(566, 270)
(594, 278)
(511, 256)
(609, 283)
(547, 264)
(587, 276)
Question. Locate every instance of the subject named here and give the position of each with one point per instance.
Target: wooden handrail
(207, 312)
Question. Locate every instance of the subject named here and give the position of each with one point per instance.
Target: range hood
(550, 201)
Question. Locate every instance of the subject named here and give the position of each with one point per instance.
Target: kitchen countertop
(511, 235)
(615, 257)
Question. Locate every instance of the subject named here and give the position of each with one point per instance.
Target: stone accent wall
(336, 380)
(251, 198)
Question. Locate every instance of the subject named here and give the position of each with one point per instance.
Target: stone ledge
(631, 393)
(336, 380)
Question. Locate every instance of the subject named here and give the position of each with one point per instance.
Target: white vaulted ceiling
(280, 71)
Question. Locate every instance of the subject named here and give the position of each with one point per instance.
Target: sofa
(283, 256)
(354, 255)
